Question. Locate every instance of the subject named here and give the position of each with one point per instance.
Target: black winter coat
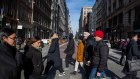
(131, 51)
(89, 46)
(33, 61)
(100, 56)
(54, 53)
(70, 47)
(8, 64)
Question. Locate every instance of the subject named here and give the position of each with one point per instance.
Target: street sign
(19, 26)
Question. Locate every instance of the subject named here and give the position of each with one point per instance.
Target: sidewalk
(113, 64)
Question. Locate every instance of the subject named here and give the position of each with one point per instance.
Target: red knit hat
(99, 33)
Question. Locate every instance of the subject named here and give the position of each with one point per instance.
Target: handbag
(75, 50)
(134, 64)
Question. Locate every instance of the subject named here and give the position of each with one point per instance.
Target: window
(114, 6)
(109, 10)
(120, 3)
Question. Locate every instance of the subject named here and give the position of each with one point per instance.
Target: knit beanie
(99, 33)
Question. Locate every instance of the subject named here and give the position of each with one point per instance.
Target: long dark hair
(81, 38)
(5, 32)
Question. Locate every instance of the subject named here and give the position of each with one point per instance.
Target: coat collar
(9, 50)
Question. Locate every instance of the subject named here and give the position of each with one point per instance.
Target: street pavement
(113, 72)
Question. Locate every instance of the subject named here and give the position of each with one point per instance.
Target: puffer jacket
(100, 56)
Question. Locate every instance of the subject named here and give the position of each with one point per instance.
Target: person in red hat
(100, 56)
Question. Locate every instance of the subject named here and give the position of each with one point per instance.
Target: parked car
(108, 43)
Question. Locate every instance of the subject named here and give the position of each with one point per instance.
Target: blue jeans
(93, 73)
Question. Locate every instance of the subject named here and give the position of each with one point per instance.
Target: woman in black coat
(8, 63)
(54, 56)
(69, 51)
(131, 51)
(33, 60)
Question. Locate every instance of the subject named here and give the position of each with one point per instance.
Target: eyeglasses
(14, 38)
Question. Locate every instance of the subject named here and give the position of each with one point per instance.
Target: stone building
(8, 13)
(83, 19)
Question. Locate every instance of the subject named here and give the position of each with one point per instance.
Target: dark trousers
(132, 75)
(26, 74)
(60, 69)
(87, 71)
(51, 64)
(35, 77)
(68, 60)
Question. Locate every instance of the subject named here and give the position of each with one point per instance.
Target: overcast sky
(75, 7)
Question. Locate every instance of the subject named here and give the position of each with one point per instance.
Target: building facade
(42, 18)
(116, 17)
(83, 19)
(122, 17)
(29, 17)
(94, 16)
(8, 13)
(35, 17)
(60, 17)
(24, 16)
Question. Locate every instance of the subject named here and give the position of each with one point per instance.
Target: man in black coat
(132, 51)
(88, 54)
(100, 56)
(69, 51)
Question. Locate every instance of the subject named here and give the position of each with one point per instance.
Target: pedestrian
(8, 63)
(25, 67)
(19, 42)
(100, 56)
(34, 59)
(80, 54)
(123, 55)
(53, 59)
(131, 52)
(88, 54)
(69, 51)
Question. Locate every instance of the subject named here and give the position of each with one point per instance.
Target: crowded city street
(69, 39)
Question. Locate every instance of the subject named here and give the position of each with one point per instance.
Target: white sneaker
(61, 74)
(64, 73)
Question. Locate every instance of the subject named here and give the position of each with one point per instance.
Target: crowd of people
(91, 54)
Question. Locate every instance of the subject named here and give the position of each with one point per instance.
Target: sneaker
(66, 68)
(73, 73)
(64, 73)
(61, 74)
